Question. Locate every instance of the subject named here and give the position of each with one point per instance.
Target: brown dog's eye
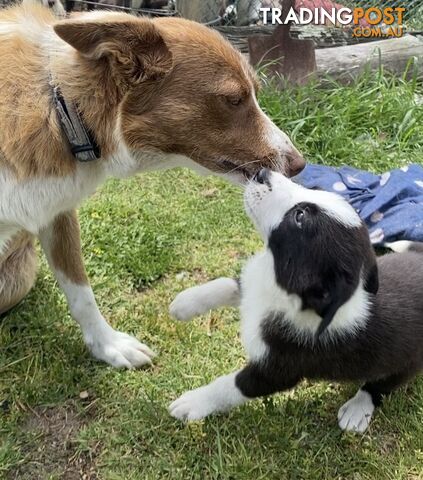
(235, 101)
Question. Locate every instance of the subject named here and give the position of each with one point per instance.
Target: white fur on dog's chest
(261, 297)
(254, 303)
(7, 232)
(33, 203)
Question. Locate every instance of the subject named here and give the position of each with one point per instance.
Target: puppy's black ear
(327, 316)
(371, 282)
(325, 301)
(339, 292)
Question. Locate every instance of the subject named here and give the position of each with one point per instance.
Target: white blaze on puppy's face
(268, 201)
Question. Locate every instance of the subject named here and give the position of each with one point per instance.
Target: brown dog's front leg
(62, 246)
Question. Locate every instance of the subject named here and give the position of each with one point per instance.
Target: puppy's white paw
(198, 300)
(188, 304)
(355, 415)
(218, 396)
(193, 405)
(119, 349)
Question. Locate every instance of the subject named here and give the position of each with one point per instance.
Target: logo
(369, 22)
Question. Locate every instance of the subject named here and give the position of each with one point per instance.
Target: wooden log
(204, 11)
(322, 36)
(394, 55)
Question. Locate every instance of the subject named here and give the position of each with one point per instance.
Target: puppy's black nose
(262, 176)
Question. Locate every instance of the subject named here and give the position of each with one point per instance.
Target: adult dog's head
(320, 247)
(183, 91)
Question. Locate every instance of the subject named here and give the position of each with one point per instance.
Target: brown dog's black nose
(296, 163)
(262, 176)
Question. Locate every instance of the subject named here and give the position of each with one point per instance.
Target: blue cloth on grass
(391, 204)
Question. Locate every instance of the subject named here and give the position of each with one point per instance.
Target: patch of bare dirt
(51, 449)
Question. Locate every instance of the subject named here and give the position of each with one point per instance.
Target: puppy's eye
(234, 100)
(299, 217)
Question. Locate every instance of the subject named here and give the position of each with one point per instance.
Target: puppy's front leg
(218, 396)
(229, 391)
(62, 246)
(200, 299)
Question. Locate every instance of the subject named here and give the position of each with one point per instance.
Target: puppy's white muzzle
(267, 198)
(270, 195)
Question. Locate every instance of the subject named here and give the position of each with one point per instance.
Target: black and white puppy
(315, 304)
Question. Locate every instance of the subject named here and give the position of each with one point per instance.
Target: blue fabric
(391, 204)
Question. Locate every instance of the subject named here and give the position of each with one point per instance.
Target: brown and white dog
(155, 94)
(56, 6)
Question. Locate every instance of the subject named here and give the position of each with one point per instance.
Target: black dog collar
(81, 140)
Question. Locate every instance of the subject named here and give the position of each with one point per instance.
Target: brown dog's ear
(134, 48)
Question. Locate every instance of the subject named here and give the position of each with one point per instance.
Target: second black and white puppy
(315, 304)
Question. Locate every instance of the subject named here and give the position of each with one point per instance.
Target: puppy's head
(321, 248)
(185, 92)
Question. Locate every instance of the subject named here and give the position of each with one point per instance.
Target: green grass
(145, 240)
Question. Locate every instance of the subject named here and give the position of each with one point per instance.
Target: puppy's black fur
(323, 261)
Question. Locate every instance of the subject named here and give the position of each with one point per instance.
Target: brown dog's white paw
(120, 350)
